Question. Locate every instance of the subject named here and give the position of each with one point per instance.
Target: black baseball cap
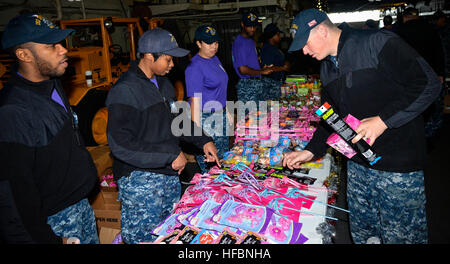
(302, 25)
(158, 40)
(32, 28)
(250, 19)
(207, 34)
(270, 30)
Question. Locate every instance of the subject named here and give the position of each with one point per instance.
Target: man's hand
(267, 69)
(179, 163)
(294, 160)
(70, 240)
(211, 153)
(230, 119)
(370, 129)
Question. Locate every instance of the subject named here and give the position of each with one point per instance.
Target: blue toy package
(284, 141)
(243, 216)
(276, 156)
(202, 218)
(247, 150)
(227, 156)
(252, 157)
(186, 217)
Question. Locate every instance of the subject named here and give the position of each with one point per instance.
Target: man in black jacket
(381, 80)
(43, 162)
(147, 155)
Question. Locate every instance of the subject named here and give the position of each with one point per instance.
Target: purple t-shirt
(153, 80)
(208, 77)
(245, 54)
(58, 99)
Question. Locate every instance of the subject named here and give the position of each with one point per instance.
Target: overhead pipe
(205, 15)
(83, 9)
(58, 9)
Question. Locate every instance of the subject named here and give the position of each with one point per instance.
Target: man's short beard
(44, 67)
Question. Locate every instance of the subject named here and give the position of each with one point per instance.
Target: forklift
(93, 55)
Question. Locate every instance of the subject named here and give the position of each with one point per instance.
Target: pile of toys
(239, 204)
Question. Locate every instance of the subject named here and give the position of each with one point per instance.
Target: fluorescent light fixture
(360, 16)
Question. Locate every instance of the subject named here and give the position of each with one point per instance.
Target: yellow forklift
(94, 54)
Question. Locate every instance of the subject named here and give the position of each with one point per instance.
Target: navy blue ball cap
(250, 19)
(32, 28)
(158, 40)
(302, 25)
(207, 34)
(272, 28)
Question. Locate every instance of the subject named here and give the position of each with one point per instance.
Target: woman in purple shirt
(206, 85)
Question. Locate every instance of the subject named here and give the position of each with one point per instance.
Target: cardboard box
(109, 196)
(106, 235)
(101, 155)
(106, 214)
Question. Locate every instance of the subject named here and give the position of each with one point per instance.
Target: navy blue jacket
(42, 155)
(139, 125)
(379, 74)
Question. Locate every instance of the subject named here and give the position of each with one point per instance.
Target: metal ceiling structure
(360, 5)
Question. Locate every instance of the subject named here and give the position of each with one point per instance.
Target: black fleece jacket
(140, 124)
(379, 74)
(42, 156)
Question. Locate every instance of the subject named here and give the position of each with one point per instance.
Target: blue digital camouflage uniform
(147, 199)
(387, 205)
(272, 89)
(78, 221)
(250, 89)
(220, 141)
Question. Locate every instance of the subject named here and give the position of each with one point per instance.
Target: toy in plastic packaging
(241, 215)
(202, 218)
(167, 238)
(228, 237)
(281, 230)
(186, 236)
(186, 217)
(205, 237)
(347, 133)
(335, 141)
(168, 226)
(251, 238)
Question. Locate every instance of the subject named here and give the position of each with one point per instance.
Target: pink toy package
(202, 218)
(260, 219)
(280, 230)
(168, 226)
(288, 204)
(335, 141)
(243, 216)
(197, 198)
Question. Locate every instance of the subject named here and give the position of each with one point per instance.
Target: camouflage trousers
(272, 89)
(250, 90)
(78, 221)
(219, 135)
(386, 205)
(147, 199)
